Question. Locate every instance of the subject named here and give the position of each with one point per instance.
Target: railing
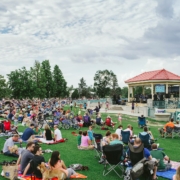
(166, 104)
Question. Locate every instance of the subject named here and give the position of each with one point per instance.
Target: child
(90, 133)
(177, 175)
(79, 138)
(119, 119)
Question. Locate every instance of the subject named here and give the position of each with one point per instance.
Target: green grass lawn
(70, 154)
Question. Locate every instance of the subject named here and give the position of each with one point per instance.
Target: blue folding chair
(145, 140)
(125, 136)
(141, 121)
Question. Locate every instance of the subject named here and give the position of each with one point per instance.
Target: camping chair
(141, 122)
(145, 140)
(113, 155)
(176, 132)
(125, 136)
(97, 144)
(168, 132)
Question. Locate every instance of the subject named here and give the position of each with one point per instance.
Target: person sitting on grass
(99, 120)
(177, 175)
(58, 135)
(158, 154)
(79, 139)
(109, 122)
(36, 160)
(9, 144)
(115, 139)
(47, 134)
(90, 133)
(28, 134)
(56, 163)
(106, 139)
(86, 142)
(118, 131)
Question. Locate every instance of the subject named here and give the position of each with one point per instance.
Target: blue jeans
(11, 154)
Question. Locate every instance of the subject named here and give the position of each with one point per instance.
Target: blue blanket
(167, 174)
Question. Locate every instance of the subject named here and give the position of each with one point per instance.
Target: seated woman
(85, 142)
(56, 163)
(47, 134)
(99, 121)
(106, 139)
(109, 122)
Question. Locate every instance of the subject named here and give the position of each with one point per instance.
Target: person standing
(132, 107)
(71, 105)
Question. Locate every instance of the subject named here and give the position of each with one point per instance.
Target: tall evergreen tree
(46, 77)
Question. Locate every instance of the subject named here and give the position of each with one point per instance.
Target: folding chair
(113, 155)
(141, 121)
(97, 144)
(176, 132)
(168, 132)
(136, 155)
(125, 136)
(145, 140)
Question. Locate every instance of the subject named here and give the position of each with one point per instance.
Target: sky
(128, 37)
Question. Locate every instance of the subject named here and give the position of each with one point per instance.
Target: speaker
(167, 96)
(161, 97)
(155, 97)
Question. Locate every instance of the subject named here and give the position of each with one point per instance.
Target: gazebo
(158, 80)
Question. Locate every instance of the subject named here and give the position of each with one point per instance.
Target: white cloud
(85, 36)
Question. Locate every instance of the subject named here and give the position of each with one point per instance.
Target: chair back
(125, 136)
(145, 140)
(97, 141)
(136, 153)
(141, 121)
(113, 153)
(169, 129)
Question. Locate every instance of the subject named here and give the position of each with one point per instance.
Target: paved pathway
(121, 112)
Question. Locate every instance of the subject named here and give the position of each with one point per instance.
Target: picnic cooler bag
(10, 172)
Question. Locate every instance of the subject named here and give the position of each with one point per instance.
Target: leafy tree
(147, 91)
(75, 94)
(38, 78)
(105, 82)
(46, 77)
(4, 90)
(124, 92)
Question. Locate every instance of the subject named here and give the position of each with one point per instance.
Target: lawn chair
(141, 122)
(145, 140)
(136, 156)
(168, 132)
(176, 132)
(97, 144)
(113, 155)
(125, 136)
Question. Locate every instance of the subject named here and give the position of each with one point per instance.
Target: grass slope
(70, 154)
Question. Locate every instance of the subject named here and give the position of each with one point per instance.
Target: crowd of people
(29, 112)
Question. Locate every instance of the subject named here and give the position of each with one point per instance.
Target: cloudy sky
(84, 36)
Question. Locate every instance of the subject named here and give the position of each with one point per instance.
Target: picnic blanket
(167, 174)
(77, 176)
(175, 164)
(42, 140)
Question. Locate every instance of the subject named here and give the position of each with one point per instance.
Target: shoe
(101, 161)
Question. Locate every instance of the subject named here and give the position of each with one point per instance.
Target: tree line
(42, 82)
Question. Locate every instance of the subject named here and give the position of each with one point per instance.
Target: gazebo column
(152, 90)
(167, 85)
(143, 90)
(132, 91)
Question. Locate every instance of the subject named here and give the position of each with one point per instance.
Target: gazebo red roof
(154, 75)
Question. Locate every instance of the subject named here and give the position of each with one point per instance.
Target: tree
(105, 82)
(82, 87)
(38, 78)
(46, 77)
(4, 90)
(75, 94)
(124, 92)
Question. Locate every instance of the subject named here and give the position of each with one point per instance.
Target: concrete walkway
(118, 111)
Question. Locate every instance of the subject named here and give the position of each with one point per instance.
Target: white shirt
(58, 134)
(118, 132)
